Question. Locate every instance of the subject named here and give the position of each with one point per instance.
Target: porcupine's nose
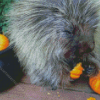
(86, 47)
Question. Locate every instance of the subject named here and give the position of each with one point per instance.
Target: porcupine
(51, 36)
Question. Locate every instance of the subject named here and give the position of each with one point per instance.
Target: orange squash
(77, 71)
(95, 83)
(4, 42)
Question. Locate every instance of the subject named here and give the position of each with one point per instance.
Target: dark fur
(52, 36)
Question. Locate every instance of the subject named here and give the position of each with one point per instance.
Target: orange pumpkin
(4, 42)
(77, 71)
(95, 83)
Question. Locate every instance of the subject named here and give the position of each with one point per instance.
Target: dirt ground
(79, 90)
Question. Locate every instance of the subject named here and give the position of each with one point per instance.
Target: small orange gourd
(4, 42)
(77, 71)
(94, 82)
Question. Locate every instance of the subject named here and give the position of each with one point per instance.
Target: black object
(10, 69)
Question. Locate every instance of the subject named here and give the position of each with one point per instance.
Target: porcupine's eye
(67, 32)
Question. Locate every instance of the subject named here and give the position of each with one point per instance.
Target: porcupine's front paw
(90, 69)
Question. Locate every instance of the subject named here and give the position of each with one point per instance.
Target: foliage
(4, 7)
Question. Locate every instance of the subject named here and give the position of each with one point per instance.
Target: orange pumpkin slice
(95, 83)
(77, 71)
(91, 98)
(4, 42)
